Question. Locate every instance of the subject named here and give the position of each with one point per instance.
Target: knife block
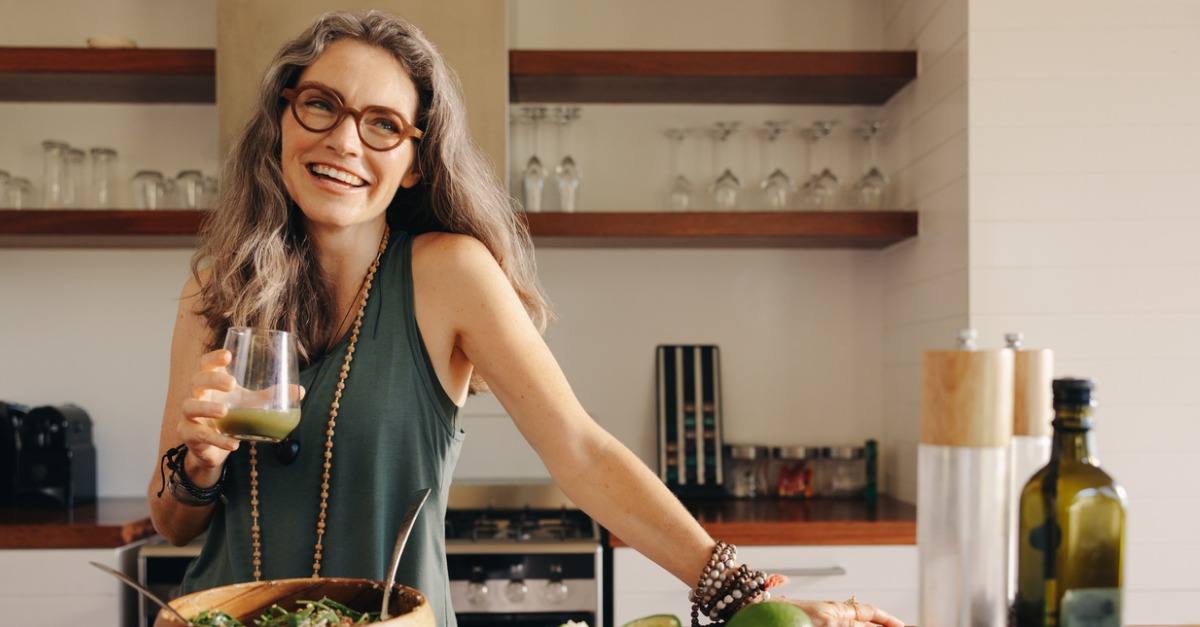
(690, 447)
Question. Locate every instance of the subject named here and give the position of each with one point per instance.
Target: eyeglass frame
(291, 94)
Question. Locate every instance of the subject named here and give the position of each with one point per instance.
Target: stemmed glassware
(533, 177)
(870, 188)
(679, 198)
(777, 187)
(566, 173)
(727, 186)
(823, 189)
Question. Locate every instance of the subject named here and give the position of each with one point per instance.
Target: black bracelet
(180, 486)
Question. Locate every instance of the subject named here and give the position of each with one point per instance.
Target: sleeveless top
(397, 432)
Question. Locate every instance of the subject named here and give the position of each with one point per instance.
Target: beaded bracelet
(724, 587)
(180, 486)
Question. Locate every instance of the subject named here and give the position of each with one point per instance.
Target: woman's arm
(466, 308)
(187, 420)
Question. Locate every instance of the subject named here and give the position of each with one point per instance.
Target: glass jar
(842, 472)
(104, 164)
(792, 471)
(73, 184)
(745, 470)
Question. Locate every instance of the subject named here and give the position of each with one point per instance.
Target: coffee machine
(50, 460)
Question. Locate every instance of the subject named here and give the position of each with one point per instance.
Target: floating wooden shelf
(107, 75)
(828, 229)
(718, 77)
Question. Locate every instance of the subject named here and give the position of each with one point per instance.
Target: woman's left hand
(848, 614)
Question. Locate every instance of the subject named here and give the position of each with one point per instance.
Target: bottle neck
(1073, 439)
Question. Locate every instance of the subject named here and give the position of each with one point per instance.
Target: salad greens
(323, 613)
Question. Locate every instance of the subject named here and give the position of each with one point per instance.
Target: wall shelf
(85, 228)
(148, 75)
(717, 77)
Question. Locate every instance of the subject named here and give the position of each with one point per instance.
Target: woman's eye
(320, 104)
(386, 124)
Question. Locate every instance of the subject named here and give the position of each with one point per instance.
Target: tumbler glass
(18, 193)
(149, 190)
(189, 187)
(72, 190)
(54, 166)
(104, 164)
(4, 178)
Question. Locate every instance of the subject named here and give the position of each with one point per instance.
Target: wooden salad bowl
(248, 601)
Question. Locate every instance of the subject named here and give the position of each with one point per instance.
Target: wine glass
(777, 187)
(870, 188)
(566, 173)
(533, 177)
(679, 198)
(726, 187)
(823, 189)
(264, 404)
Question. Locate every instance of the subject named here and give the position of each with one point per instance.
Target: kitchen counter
(107, 523)
(790, 522)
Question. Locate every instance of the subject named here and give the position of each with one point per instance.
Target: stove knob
(516, 589)
(556, 589)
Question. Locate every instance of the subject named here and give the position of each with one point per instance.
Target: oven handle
(831, 571)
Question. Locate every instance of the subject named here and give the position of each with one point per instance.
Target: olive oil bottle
(1071, 526)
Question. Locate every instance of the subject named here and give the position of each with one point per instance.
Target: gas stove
(521, 555)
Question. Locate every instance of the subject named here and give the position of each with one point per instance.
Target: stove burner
(525, 525)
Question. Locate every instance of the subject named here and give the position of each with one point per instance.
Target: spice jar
(745, 470)
(842, 472)
(792, 471)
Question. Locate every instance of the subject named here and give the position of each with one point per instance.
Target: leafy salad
(323, 613)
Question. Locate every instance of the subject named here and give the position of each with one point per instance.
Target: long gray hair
(263, 272)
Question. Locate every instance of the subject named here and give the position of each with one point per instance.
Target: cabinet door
(60, 587)
(470, 34)
(884, 575)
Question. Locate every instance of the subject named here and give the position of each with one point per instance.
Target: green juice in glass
(258, 424)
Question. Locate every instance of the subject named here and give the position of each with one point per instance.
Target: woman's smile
(324, 172)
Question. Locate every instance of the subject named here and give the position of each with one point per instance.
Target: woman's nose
(344, 136)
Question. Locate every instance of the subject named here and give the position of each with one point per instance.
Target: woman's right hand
(207, 447)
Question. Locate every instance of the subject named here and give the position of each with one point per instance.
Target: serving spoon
(145, 591)
(410, 517)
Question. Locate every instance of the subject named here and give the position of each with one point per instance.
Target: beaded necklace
(255, 530)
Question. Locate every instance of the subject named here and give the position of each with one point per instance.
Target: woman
(357, 214)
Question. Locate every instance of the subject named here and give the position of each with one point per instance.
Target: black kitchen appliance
(11, 416)
(55, 460)
(690, 447)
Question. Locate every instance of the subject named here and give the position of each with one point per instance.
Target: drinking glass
(533, 177)
(18, 193)
(566, 173)
(870, 187)
(104, 163)
(264, 405)
(823, 189)
(72, 186)
(54, 173)
(777, 187)
(679, 198)
(149, 189)
(189, 187)
(726, 187)
(4, 178)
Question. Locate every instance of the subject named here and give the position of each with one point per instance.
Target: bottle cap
(1070, 391)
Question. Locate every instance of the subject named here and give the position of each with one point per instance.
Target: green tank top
(397, 432)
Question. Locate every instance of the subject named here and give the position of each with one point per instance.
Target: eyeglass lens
(379, 127)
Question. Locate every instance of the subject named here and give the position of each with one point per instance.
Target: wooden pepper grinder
(963, 484)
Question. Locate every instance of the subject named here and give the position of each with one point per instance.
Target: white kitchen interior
(1051, 148)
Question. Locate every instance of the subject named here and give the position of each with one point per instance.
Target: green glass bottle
(1071, 526)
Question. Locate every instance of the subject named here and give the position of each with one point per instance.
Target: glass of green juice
(264, 405)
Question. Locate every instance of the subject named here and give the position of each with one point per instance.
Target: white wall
(800, 331)
(1084, 162)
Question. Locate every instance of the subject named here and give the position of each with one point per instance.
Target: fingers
(832, 614)
(212, 375)
(867, 614)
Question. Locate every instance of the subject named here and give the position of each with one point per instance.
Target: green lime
(771, 614)
(658, 620)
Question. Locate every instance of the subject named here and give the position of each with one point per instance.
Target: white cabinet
(883, 575)
(56, 587)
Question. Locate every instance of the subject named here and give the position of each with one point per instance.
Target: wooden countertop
(789, 522)
(107, 523)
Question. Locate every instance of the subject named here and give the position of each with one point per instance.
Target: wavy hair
(262, 270)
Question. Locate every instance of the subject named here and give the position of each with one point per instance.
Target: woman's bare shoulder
(449, 252)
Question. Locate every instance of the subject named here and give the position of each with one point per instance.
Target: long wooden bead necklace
(319, 547)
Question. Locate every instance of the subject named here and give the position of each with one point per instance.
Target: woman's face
(336, 180)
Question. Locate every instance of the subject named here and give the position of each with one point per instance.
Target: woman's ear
(411, 178)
